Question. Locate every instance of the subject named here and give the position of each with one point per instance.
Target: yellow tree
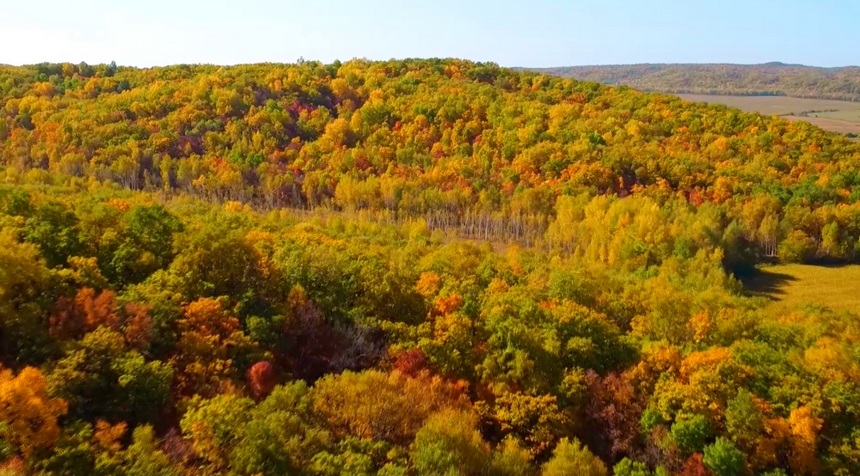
(570, 457)
(804, 435)
(209, 339)
(382, 406)
(28, 416)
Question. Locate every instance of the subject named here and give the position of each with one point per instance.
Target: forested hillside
(412, 267)
(467, 141)
(771, 79)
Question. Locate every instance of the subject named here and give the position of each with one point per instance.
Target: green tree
(143, 457)
(724, 459)
(628, 467)
(99, 377)
(54, 228)
(146, 244)
(449, 444)
(691, 434)
(25, 292)
(280, 435)
(797, 247)
(744, 421)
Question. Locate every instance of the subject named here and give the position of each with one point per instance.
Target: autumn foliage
(28, 415)
(412, 267)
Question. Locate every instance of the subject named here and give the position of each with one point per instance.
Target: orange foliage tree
(28, 415)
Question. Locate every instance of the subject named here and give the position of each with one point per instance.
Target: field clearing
(835, 125)
(836, 116)
(792, 285)
(779, 105)
(851, 115)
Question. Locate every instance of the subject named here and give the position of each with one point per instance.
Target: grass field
(792, 285)
(837, 116)
(835, 125)
(851, 115)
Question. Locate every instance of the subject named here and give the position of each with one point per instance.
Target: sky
(533, 33)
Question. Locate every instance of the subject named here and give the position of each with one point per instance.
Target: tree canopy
(412, 267)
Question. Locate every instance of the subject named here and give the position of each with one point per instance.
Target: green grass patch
(793, 285)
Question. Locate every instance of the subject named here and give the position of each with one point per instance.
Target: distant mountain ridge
(768, 79)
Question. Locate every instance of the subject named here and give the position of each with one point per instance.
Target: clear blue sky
(511, 33)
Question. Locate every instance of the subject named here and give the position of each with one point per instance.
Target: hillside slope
(421, 137)
(427, 267)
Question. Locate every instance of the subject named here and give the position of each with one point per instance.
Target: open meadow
(836, 116)
(793, 285)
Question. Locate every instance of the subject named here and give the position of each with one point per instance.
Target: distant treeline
(770, 79)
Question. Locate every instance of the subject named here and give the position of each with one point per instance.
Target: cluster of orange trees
(411, 267)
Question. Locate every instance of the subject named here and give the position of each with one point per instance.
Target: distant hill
(769, 79)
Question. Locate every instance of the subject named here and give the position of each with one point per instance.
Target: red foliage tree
(694, 466)
(85, 313)
(97, 310)
(261, 379)
(612, 415)
(137, 328)
(410, 362)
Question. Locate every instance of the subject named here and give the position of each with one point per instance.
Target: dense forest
(428, 267)
(769, 79)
